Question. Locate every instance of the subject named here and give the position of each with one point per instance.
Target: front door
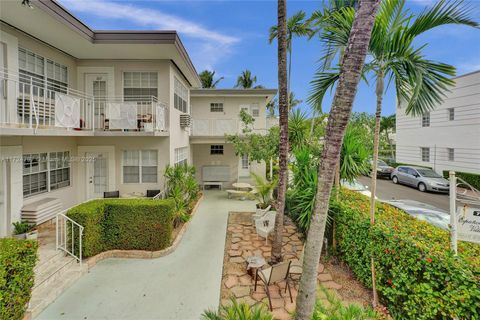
(97, 174)
(96, 85)
(244, 166)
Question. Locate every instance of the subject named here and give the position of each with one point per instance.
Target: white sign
(468, 223)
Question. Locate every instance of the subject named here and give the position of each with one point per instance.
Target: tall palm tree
(245, 80)
(206, 77)
(350, 74)
(420, 83)
(387, 124)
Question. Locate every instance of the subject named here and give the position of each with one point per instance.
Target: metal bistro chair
(111, 194)
(152, 193)
(274, 274)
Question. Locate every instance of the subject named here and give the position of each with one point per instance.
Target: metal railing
(214, 127)
(66, 237)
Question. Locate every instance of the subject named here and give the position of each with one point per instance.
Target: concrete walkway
(178, 286)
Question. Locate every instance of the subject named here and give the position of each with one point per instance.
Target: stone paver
(180, 285)
(242, 238)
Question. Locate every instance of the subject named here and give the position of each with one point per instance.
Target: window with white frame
(180, 96)
(216, 149)
(140, 166)
(139, 85)
(44, 172)
(426, 119)
(181, 156)
(451, 154)
(255, 110)
(216, 107)
(245, 161)
(35, 69)
(451, 114)
(425, 153)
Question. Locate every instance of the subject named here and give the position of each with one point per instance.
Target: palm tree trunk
(283, 111)
(352, 65)
(376, 139)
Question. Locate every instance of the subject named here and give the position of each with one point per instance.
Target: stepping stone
(237, 260)
(231, 281)
(324, 277)
(331, 285)
(235, 240)
(240, 291)
(245, 280)
(320, 268)
(234, 253)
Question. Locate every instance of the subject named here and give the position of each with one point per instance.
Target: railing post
(92, 110)
(56, 232)
(80, 248)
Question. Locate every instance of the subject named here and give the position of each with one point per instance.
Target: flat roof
(232, 92)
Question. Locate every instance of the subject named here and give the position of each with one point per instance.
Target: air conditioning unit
(185, 120)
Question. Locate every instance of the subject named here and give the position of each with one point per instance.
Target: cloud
(208, 46)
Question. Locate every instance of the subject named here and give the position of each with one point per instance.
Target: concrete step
(47, 259)
(51, 271)
(44, 295)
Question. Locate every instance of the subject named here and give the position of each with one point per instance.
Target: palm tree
(292, 101)
(246, 80)
(350, 74)
(206, 77)
(277, 242)
(271, 106)
(387, 124)
(420, 83)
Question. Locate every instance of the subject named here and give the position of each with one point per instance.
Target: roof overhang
(267, 93)
(56, 26)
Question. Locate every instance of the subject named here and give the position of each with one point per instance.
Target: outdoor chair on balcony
(265, 225)
(111, 194)
(276, 273)
(152, 193)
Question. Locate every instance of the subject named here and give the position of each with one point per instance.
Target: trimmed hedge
(125, 224)
(417, 275)
(471, 178)
(17, 260)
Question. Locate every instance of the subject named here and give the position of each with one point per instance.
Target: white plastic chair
(266, 224)
(260, 213)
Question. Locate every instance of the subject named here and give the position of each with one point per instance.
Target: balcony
(31, 105)
(215, 127)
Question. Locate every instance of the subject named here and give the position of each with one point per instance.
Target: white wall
(462, 134)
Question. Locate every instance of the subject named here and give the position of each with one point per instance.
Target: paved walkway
(178, 286)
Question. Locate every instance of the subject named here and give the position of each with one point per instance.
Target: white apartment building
(83, 112)
(448, 137)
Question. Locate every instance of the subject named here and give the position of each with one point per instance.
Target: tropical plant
(21, 227)
(352, 63)
(420, 83)
(292, 101)
(264, 189)
(246, 80)
(332, 308)
(354, 155)
(297, 129)
(207, 79)
(387, 124)
(238, 311)
(271, 106)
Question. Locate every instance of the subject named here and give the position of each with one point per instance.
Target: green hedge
(133, 224)
(17, 260)
(417, 276)
(471, 178)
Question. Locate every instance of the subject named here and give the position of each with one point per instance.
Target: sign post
(453, 212)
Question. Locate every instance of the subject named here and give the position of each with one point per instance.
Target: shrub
(17, 260)
(125, 224)
(22, 227)
(332, 308)
(471, 178)
(417, 275)
(236, 311)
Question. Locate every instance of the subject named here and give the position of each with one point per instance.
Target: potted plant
(21, 229)
(263, 192)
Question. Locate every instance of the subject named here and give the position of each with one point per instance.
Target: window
(181, 156)
(402, 170)
(426, 119)
(255, 111)
(139, 85)
(451, 114)
(180, 96)
(425, 152)
(59, 170)
(245, 161)
(451, 154)
(140, 166)
(56, 77)
(216, 149)
(44, 172)
(216, 107)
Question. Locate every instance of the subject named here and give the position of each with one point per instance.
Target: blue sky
(230, 36)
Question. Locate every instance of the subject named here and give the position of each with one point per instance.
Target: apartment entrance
(96, 85)
(243, 167)
(97, 174)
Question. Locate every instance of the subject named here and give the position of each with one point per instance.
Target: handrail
(61, 238)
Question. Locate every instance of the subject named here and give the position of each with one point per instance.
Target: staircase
(54, 273)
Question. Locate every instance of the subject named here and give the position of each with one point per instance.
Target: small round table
(253, 264)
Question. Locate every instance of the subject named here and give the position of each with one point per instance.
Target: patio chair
(276, 273)
(152, 193)
(111, 194)
(296, 267)
(260, 213)
(265, 225)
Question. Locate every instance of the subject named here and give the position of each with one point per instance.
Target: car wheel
(422, 187)
(395, 179)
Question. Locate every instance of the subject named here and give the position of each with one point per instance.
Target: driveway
(387, 190)
(178, 286)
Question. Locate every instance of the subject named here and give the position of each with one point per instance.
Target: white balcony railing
(215, 127)
(29, 103)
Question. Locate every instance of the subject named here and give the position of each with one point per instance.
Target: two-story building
(83, 112)
(448, 137)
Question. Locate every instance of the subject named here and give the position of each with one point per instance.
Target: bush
(17, 260)
(125, 224)
(237, 311)
(471, 178)
(332, 308)
(417, 275)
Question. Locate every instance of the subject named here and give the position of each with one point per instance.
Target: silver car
(422, 178)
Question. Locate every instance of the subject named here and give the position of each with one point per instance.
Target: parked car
(356, 186)
(423, 211)
(383, 169)
(424, 179)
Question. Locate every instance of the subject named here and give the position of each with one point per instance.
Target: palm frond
(321, 83)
